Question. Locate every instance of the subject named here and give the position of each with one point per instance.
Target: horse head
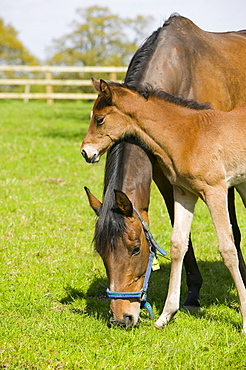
(125, 253)
(107, 120)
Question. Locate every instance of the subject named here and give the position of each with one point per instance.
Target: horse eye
(99, 120)
(136, 250)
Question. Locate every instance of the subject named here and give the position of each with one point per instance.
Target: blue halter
(142, 295)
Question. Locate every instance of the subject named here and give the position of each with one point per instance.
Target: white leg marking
(183, 214)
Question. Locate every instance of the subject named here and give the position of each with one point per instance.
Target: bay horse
(186, 61)
(201, 151)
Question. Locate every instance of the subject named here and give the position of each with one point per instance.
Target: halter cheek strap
(142, 294)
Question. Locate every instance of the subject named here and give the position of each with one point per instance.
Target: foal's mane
(147, 91)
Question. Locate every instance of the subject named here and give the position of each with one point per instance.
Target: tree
(100, 38)
(12, 50)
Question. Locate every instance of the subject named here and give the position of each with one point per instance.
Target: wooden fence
(48, 81)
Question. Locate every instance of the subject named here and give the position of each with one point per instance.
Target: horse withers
(201, 151)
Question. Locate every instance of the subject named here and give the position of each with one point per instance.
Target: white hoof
(160, 323)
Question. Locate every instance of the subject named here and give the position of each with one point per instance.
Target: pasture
(53, 305)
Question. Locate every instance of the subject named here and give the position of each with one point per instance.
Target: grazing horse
(201, 151)
(183, 60)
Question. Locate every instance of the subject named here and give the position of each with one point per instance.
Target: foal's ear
(105, 90)
(124, 203)
(96, 84)
(94, 202)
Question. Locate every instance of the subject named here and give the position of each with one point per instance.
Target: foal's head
(108, 122)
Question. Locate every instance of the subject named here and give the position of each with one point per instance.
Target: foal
(202, 153)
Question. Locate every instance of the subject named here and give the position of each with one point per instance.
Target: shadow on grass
(218, 289)
(97, 303)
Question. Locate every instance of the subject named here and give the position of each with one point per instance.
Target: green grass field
(53, 307)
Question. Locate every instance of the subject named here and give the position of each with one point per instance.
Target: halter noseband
(142, 294)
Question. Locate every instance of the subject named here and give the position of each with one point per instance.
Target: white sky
(39, 21)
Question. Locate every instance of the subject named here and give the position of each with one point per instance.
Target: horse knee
(229, 254)
(178, 249)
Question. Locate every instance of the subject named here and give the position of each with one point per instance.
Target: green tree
(99, 38)
(12, 51)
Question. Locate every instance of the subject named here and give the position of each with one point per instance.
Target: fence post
(49, 89)
(27, 91)
(112, 76)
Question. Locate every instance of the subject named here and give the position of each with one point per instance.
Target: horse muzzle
(124, 312)
(91, 155)
(126, 322)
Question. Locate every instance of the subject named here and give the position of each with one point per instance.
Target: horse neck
(149, 118)
(128, 168)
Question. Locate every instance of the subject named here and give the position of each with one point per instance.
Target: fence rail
(48, 81)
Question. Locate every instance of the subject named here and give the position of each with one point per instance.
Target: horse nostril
(84, 154)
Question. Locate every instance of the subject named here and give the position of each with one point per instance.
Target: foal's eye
(99, 120)
(136, 250)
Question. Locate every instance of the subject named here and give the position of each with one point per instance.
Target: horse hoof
(159, 324)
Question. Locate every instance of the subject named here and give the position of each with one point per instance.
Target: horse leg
(236, 232)
(193, 275)
(183, 209)
(217, 204)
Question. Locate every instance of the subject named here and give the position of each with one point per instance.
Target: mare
(201, 151)
(186, 61)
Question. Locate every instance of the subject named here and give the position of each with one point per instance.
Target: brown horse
(202, 153)
(181, 59)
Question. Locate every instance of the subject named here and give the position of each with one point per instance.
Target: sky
(40, 21)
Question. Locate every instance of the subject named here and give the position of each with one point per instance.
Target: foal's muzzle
(90, 157)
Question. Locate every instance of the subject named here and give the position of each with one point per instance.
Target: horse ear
(105, 90)
(96, 84)
(94, 202)
(124, 203)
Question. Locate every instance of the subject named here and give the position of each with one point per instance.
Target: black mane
(142, 56)
(147, 91)
(140, 59)
(110, 224)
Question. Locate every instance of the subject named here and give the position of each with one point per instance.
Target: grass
(53, 308)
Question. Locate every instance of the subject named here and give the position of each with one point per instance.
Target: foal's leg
(183, 210)
(193, 275)
(236, 232)
(217, 203)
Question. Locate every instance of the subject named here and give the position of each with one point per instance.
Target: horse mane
(141, 59)
(110, 224)
(147, 91)
(142, 56)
